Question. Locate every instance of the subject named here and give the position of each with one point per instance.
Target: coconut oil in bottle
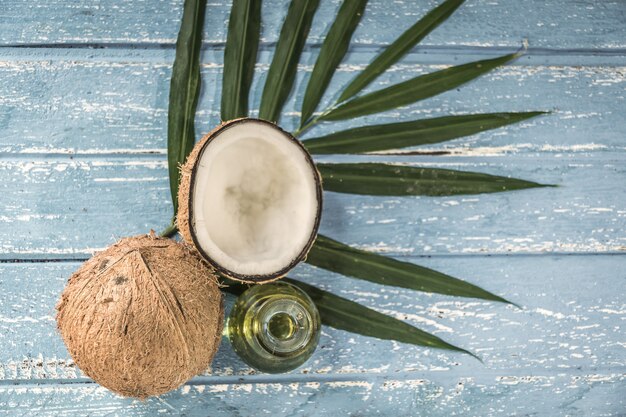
(274, 327)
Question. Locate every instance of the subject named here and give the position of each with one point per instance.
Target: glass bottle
(274, 327)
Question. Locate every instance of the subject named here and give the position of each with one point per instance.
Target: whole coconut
(142, 317)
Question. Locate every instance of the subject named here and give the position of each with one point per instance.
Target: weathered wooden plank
(557, 24)
(572, 307)
(82, 139)
(537, 394)
(66, 207)
(108, 105)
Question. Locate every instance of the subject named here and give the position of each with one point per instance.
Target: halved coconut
(250, 200)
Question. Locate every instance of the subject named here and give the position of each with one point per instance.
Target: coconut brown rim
(185, 215)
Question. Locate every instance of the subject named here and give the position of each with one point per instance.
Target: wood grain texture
(563, 345)
(569, 333)
(83, 120)
(100, 103)
(562, 395)
(68, 207)
(581, 24)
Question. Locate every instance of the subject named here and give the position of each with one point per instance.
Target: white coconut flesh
(255, 199)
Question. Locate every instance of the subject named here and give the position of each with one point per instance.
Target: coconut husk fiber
(142, 317)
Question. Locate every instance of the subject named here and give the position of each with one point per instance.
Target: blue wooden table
(83, 120)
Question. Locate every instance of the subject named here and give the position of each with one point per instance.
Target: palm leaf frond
(240, 52)
(398, 180)
(415, 89)
(343, 314)
(332, 52)
(405, 134)
(184, 92)
(400, 47)
(283, 68)
(334, 256)
(373, 179)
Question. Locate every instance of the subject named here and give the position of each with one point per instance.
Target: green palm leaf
(389, 180)
(400, 47)
(334, 256)
(282, 72)
(405, 134)
(184, 92)
(343, 314)
(333, 50)
(239, 57)
(415, 89)
(374, 179)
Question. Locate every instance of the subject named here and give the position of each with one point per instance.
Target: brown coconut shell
(184, 216)
(142, 317)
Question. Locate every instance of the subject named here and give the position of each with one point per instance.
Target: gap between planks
(77, 258)
(436, 376)
(164, 53)
(590, 151)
